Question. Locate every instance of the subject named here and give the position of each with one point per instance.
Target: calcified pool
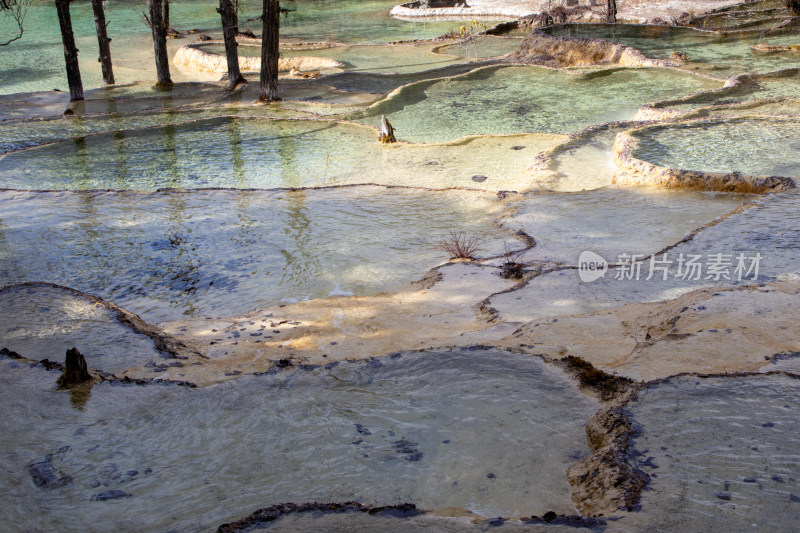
(42, 322)
(213, 218)
(258, 153)
(769, 230)
(556, 101)
(722, 452)
(718, 55)
(168, 254)
(755, 146)
(487, 431)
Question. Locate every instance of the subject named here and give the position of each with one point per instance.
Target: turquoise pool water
(488, 100)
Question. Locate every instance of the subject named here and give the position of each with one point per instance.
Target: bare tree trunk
(611, 14)
(793, 6)
(102, 41)
(270, 35)
(235, 14)
(159, 43)
(70, 51)
(226, 10)
(166, 14)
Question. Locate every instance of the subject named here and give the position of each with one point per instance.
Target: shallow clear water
(253, 153)
(708, 52)
(783, 86)
(425, 428)
(483, 47)
(722, 453)
(771, 229)
(168, 254)
(613, 221)
(750, 146)
(581, 164)
(44, 322)
(488, 101)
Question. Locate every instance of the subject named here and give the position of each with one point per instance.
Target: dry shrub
(459, 245)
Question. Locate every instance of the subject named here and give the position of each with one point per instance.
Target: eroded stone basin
(488, 100)
(488, 431)
(259, 153)
(719, 56)
(41, 322)
(170, 254)
(722, 453)
(749, 145)
(608, 218)
(766, 237)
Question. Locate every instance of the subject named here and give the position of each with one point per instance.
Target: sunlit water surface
(169, 254)
(487, 431)
(487, 101)
(251, 153)
(721, 452)
(719, 56)
(44, 322)
(748, 145)
(36, 62)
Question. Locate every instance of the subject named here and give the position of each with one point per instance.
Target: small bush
(459, 245)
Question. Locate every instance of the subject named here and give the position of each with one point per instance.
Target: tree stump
(75, 370)
(387, 131)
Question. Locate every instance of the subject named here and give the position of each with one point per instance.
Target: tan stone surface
(714, 330)
(197, 60)
(433, 313)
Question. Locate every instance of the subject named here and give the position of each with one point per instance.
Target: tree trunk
(226, 10)
(235, 15)
(102, 41)
(70, 52)
(270, 34)
(793, 5)
(159, 43)
(611, 14)
(166, 14)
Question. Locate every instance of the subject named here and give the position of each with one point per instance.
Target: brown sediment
(607, 386)
(634, 171)
(605, 483)
(274, 512)
(539, 48)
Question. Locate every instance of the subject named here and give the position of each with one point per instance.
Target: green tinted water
(36, 61)
(488, 101)
(264, 154)
(762, 147)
